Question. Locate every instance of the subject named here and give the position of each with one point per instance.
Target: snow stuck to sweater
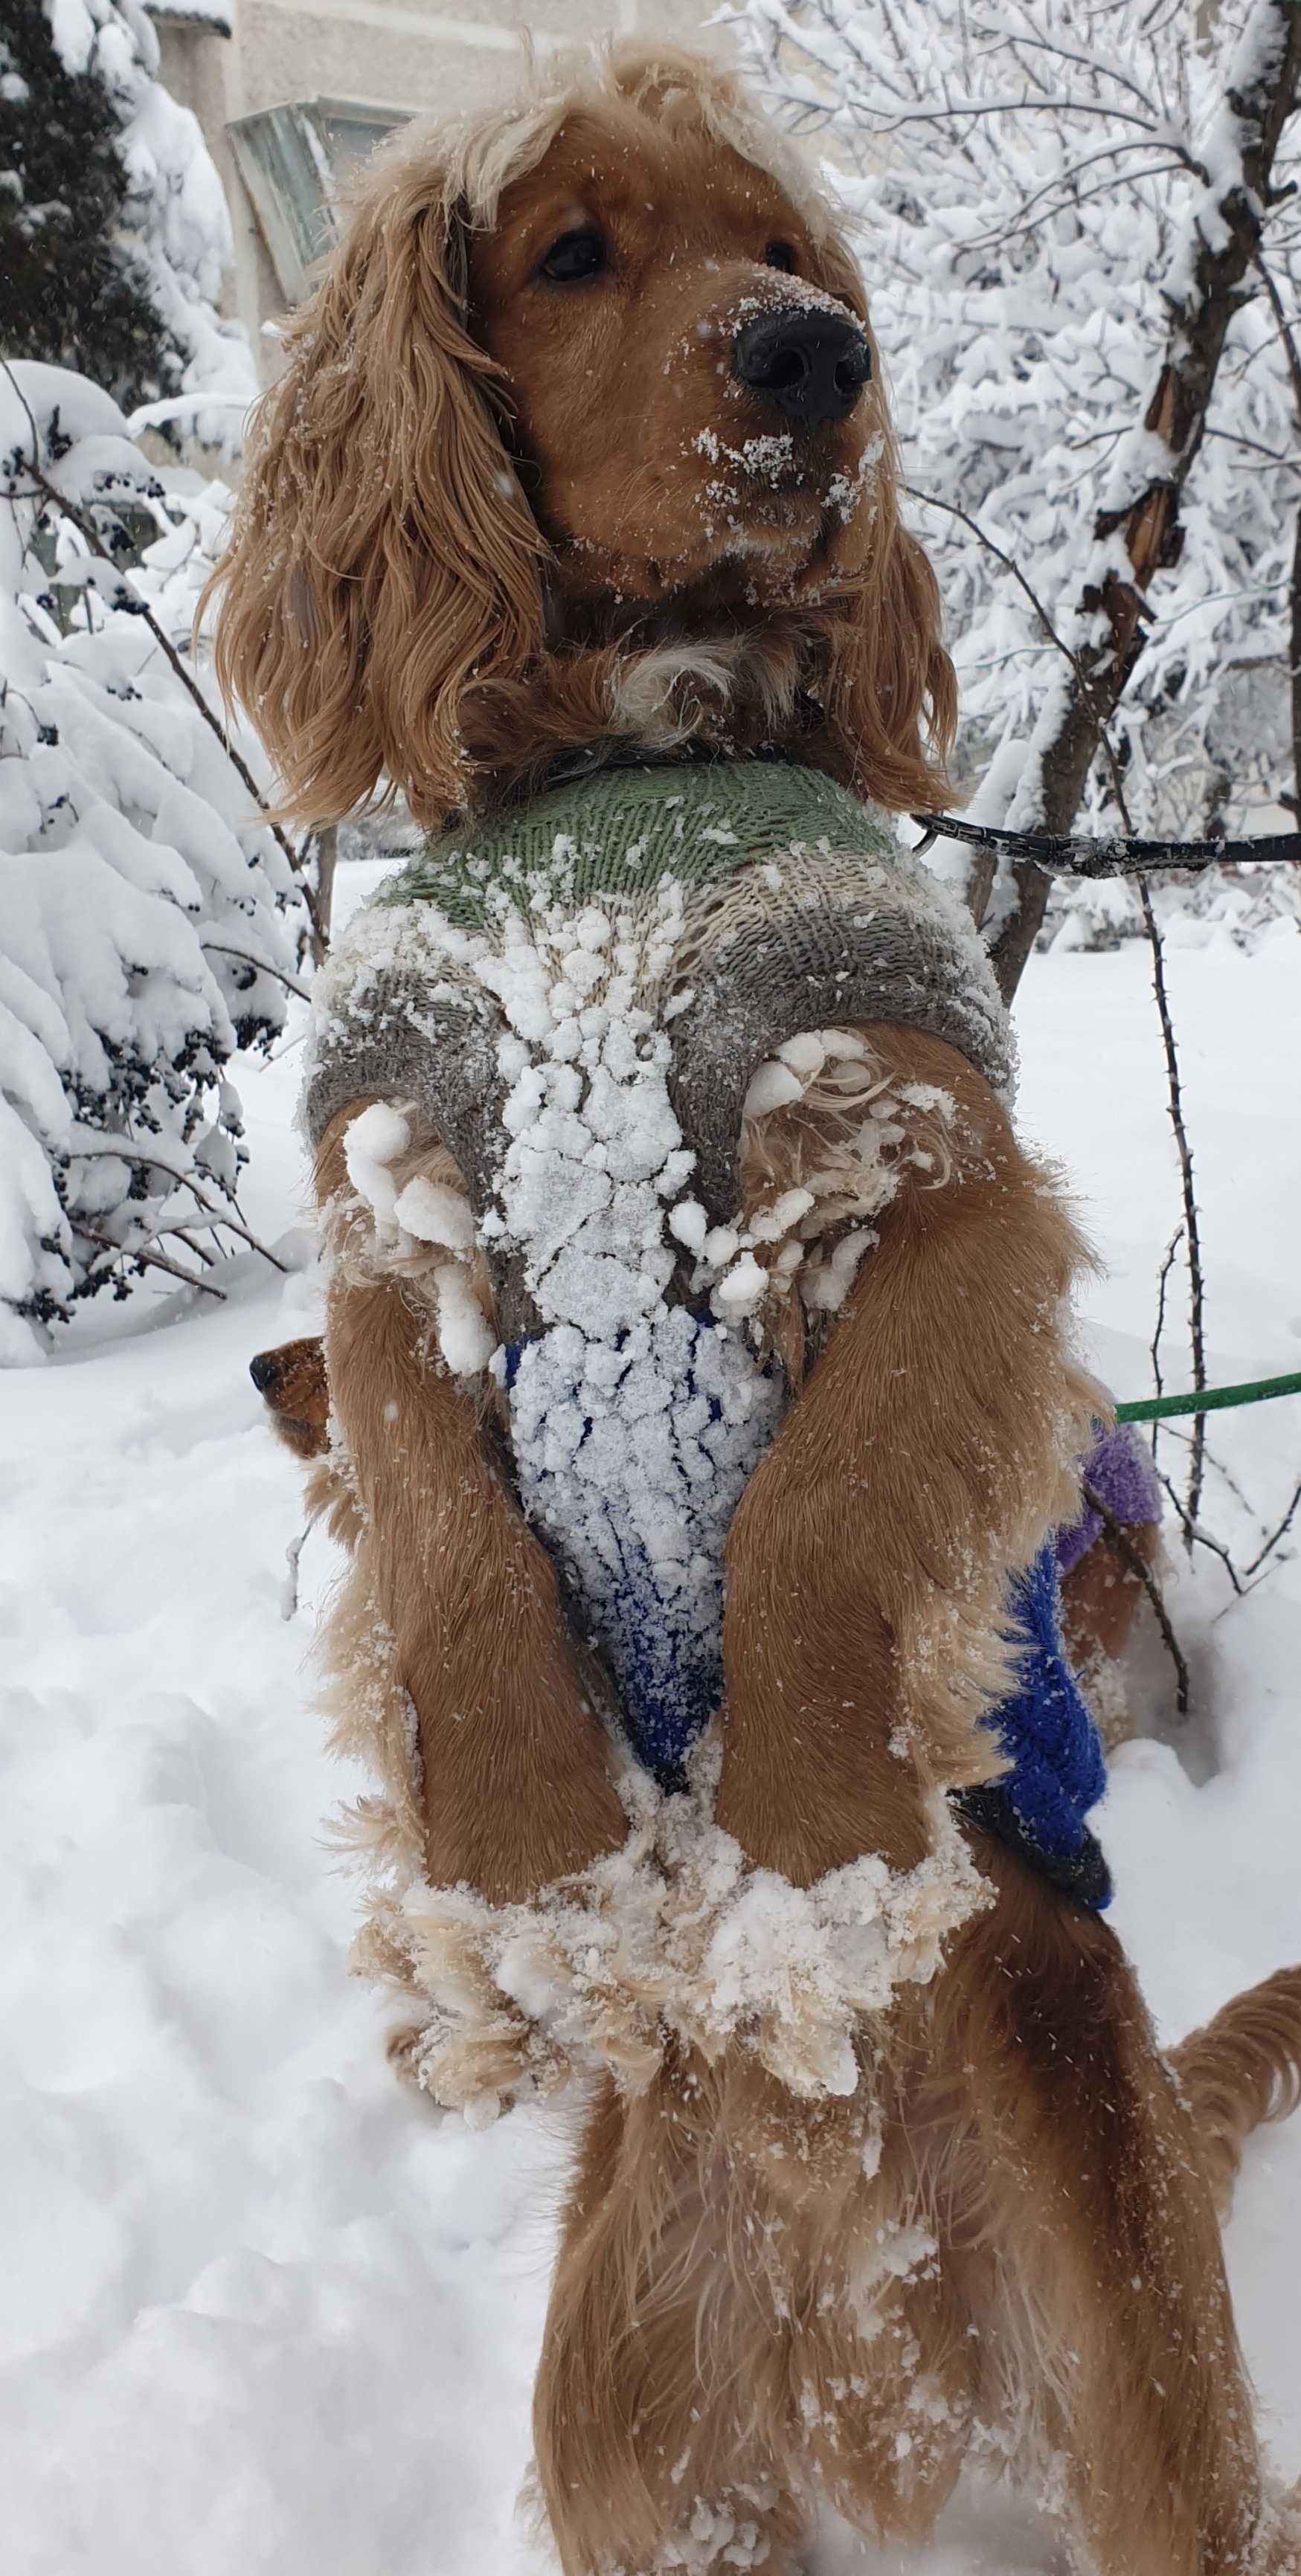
(264, 2310)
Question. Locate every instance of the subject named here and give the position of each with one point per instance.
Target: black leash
(1065, 856)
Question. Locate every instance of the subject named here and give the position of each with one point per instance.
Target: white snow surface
(264, 2310)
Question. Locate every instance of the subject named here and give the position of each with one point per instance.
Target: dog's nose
(811, 365)
(264, 1370)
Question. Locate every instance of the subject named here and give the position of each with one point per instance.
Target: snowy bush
(1029, 183)
(1243, 903)
(113, 226)
(147, 917)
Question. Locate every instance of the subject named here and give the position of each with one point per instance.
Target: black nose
(264, 1370)
(812, 366)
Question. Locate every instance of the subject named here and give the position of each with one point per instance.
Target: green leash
(1156, 1408)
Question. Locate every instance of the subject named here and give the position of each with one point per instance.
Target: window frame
(288, 159)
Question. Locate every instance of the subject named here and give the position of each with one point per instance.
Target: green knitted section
(619, 831)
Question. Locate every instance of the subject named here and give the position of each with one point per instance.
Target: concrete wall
(397, 55)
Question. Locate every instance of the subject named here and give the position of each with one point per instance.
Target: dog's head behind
(581, 436)
(293, 1385)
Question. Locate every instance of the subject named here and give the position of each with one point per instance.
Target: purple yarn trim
(1119, 1468)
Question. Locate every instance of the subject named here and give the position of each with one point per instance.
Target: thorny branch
(1138, 1566)
(1167, 1265)
(1192, 1222)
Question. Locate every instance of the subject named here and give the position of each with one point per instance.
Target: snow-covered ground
(262, 2311)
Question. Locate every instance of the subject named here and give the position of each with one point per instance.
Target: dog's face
(691, 381)
(581, 435)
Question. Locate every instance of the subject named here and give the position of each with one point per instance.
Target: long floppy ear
(382, 551)
(888, 689)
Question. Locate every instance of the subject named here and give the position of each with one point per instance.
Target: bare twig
(1142, 1571)
(1215, 1463)
(1093, 854)
(129, 1152)
(1267, 278)
(1192, 1227)
(148, 1260)
(1281, 1532)
(934, 501)
(218, 948)
(186, 1234)
(981, 884)
(1167, 1266)
(1196, 1536)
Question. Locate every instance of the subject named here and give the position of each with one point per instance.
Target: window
(293, 161)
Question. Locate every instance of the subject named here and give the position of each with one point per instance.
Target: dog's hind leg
(1096, 2279)
(662, 2415)
(450, 1622)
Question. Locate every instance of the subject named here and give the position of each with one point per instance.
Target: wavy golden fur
(472, 533)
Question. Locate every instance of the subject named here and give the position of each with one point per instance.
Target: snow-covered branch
(1035, 272)
(1137, 532)
(147, 913)
(114, 232)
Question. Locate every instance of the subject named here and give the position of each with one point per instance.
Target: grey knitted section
(818, 968)
(406, 1044)
(797, 910)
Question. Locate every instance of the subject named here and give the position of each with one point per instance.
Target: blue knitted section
(631, 1467)
(1045, 1725)
(631, 1456)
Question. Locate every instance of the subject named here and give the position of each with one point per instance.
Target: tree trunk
(322, 906)
(1135, 539)
(1295, 674)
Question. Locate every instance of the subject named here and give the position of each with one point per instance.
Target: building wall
(401, 56)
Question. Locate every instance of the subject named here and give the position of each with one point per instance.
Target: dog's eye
(576, 255)
(779, 254)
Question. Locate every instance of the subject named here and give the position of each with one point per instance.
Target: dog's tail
(1242, 2068)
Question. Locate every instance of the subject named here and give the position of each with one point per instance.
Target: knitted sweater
(733, 905)
(576, 996)
(1056, 1767)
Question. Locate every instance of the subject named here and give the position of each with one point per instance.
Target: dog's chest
(638, 1402)
(576, 998)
